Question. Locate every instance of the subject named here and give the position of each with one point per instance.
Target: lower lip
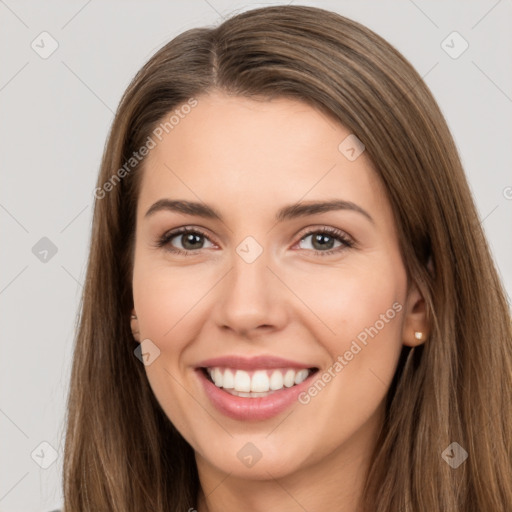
(259, 408)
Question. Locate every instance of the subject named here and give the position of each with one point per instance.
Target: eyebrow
(286, 213)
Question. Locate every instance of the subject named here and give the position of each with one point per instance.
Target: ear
(416, 329)
(134, 324)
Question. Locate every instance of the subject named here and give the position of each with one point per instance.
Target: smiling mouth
(257, 383)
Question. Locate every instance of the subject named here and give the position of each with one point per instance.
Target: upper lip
(251, 363)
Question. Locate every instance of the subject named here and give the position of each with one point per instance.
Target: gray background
(55, 114)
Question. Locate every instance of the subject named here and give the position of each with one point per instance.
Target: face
(298, 315)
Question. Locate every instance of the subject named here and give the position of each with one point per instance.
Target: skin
(247, 159)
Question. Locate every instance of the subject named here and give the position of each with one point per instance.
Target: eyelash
(333, 232)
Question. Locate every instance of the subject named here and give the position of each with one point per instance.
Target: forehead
(236, 151)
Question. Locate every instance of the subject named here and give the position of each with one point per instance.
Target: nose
(251, 298)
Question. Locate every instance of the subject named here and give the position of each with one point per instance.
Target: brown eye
(191, 240)
(323, 241)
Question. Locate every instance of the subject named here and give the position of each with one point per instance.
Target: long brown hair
(121, 451)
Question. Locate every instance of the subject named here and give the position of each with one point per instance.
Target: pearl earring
(418, 335)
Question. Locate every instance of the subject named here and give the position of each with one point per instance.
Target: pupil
(189, 239)
(321, 237)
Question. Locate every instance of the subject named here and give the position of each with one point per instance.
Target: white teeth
(217, 377)
(276, 380)
(289, 378)
(260, 381)
(242, 383)
(301, 376)
(229, 380)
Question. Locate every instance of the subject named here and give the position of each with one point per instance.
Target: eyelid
(327, 229)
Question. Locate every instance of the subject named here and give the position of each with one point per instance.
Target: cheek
(169, 302)
(163, 298)
(351, 301)
(364, 308)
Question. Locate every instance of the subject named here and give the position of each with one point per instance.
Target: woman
(338, 337)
